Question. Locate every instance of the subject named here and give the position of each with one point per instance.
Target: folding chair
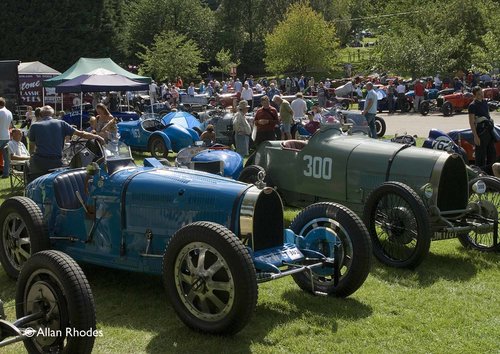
(17, 174)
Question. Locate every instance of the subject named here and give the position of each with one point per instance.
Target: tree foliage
(224, 61)
(147, 18)
(170, 55)
(414, 38)
(302, 42)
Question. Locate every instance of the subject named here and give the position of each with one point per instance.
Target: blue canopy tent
(99, 80)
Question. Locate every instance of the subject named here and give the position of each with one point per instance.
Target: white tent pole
(81, 110)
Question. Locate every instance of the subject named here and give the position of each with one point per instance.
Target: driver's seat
(65, 187)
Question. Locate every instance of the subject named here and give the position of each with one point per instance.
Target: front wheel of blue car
(336, 232)
(210, 278)
(398, 225)
(23, 233)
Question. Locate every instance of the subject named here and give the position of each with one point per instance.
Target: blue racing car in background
(152, 134)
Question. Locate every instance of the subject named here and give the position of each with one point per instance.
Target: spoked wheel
(487, 205)
(424, 108)
(52, 285)
(158, 148)
(334, 231)
(398, 225)
(23, 232)
(380, 126)
(252, 174)
(447, 109)
(210, 278)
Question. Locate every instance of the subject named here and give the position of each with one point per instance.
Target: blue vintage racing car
(151, 134)
(212, 239)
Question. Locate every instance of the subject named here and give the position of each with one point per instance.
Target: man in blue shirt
(47, 137)
(370, 110)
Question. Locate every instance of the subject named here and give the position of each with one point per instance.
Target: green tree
(223, 58)
(302, 42)
(147, 18)
(171, 55)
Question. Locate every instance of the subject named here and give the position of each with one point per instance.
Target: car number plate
(293, 254)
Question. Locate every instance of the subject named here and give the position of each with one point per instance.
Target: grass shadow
(435, 267)
(138, 302)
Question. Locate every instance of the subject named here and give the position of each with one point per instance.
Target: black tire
(222, 311)
(157, 147)
(20, 214)
(447, 109)
(250, 160)
(345, 105)
(53, 281)
(380, 126)
(198, 130)
(250, 174)
(405, 106)
(346, 229)
(424, 108)
(488, 205)
(398, 225)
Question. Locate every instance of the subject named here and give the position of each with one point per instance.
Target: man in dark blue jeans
(482, 126)
(47, 137)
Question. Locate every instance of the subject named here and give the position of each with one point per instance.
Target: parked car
(407, 196)
(383, 103)
(80, 116)
(465, 139)
(54, 302)
(151, 134)
(217, 159)
(212, 239)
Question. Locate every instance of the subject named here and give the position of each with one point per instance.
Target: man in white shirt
(17, 149)
(5, 125)
(370, 110)
(299, 106)
(247, 95)
(401, 90)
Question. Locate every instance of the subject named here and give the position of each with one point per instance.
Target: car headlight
(428, 190)
(479, 187)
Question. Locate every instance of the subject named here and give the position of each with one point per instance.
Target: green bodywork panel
(342, 168)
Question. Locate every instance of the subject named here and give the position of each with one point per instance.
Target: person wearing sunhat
(208, 136)
(241, 128)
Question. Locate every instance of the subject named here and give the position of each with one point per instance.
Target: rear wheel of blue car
(487, 206)
(336, 232)
(53, 285)
(210, 278)
(23, 233)
(158, 148)
(398, 225)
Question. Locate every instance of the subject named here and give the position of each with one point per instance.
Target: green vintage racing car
(407, 196)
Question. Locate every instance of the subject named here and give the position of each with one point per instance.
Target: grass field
(448, 305)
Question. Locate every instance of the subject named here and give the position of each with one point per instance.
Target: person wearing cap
(286, 117)
(266, 119)
(419, 89)
(241, 128)
(208, 136)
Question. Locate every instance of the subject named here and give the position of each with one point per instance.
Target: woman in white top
(242, 129)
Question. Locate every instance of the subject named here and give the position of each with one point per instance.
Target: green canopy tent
(85, 65)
